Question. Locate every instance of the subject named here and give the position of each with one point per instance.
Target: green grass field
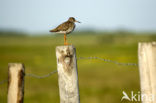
(99, 82)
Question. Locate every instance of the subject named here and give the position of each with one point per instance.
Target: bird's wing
(62, 27)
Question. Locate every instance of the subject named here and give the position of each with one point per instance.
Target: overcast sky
(36, 16)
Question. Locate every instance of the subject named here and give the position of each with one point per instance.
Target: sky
(35, 16)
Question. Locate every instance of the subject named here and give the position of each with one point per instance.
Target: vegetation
(99, 82)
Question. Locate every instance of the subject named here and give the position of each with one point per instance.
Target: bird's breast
(70, 29)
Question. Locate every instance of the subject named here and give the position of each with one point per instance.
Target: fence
(68, 78)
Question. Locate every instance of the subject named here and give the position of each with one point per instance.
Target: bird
(66, 28)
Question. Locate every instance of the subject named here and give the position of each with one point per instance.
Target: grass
(99, 81)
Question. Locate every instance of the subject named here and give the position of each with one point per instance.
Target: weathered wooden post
(67, 74)
(147, 67)
(16, 83)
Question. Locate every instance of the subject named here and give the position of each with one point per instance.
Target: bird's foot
(66, 43)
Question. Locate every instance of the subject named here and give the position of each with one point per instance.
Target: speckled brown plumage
(65, 28)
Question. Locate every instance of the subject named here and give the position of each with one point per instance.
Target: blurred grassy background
(99, 82)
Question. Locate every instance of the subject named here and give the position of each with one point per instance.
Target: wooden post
(147, 67)
(15, 83)
(67, 74)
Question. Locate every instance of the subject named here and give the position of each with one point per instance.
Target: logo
(137, 97)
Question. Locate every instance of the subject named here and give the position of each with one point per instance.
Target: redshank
(66, 28)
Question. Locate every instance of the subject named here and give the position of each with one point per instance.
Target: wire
(79, 58)
(108, 60)
(40, 77)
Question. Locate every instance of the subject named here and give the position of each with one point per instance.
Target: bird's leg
(65, 40)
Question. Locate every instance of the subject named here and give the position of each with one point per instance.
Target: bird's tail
(53, 30)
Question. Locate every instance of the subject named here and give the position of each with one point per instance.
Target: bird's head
(72, 19)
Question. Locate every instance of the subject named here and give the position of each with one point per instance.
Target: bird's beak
(77, 21)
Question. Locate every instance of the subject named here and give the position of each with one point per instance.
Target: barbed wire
(32, 75)
(79, 58)
(40, 77)
(108, 60)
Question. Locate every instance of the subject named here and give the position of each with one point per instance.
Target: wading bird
(65, 28)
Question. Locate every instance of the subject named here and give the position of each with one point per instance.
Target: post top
(147, 43)
(65, 46)
(15, 64)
